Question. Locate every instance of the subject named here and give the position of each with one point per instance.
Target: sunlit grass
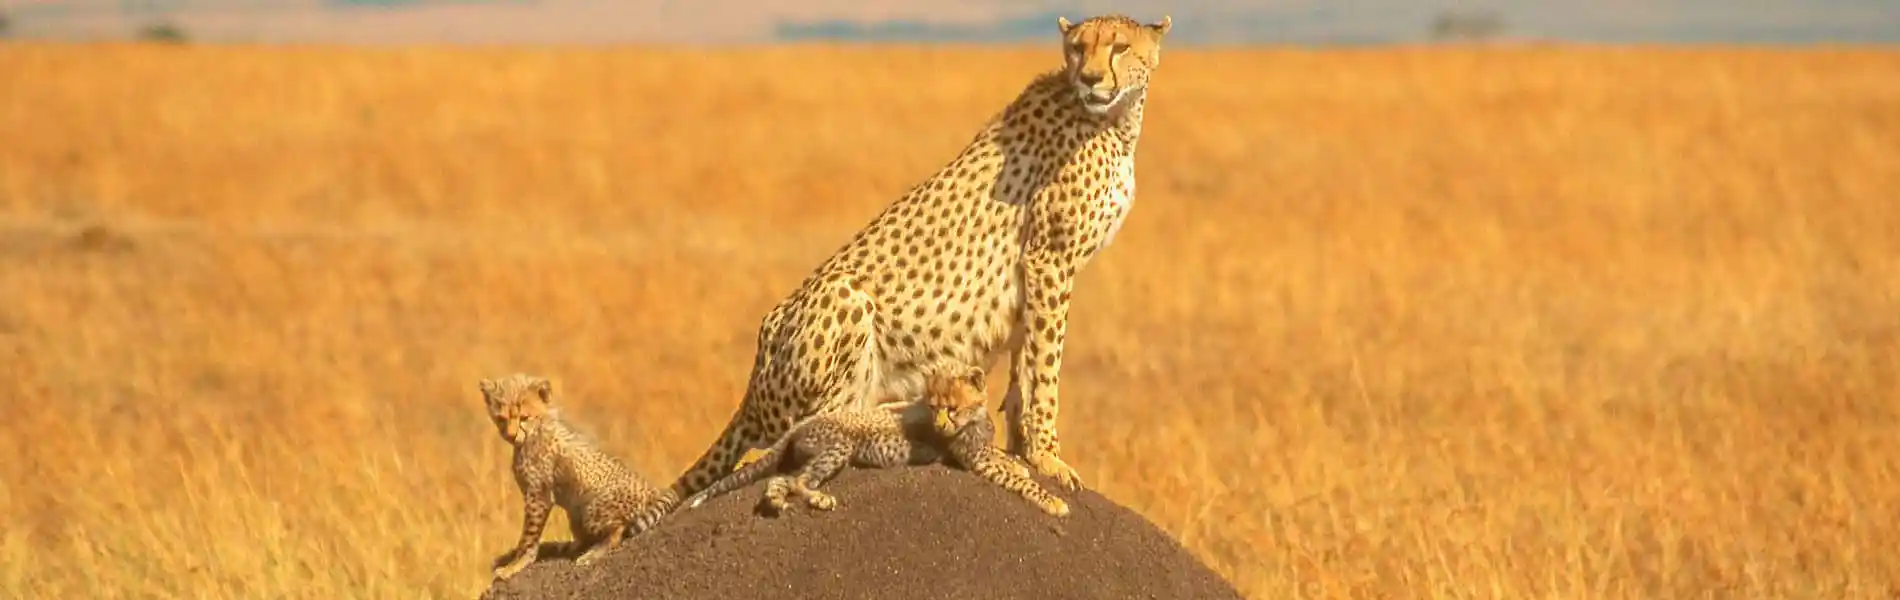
(1428, 323)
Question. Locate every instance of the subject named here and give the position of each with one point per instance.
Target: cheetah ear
(1162, 26)
(1064, 24)
(488, 388)
(544, 389)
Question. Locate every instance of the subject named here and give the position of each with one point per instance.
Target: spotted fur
(556, 465)
(968, 435)
(954, 425)
(822, 446)
(975, 263)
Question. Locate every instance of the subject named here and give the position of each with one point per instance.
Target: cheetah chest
(1117, 199)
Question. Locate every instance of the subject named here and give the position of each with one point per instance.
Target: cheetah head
(1109, 57)
(957, 388)
(516, 401)
(948, 421)
(959, 401)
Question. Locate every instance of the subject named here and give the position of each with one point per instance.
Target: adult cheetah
(976, 261)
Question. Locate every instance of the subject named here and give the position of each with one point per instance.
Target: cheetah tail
(746, 475)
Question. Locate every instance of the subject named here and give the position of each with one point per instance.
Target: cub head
(949, 421)
(956, 401)
(1109, 57)
(516, 402)
(956, 389)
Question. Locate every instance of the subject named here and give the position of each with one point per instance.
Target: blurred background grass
(1454, 322)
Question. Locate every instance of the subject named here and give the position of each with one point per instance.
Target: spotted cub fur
(872, 438)
(968, 433)
(556, 465)
(953, 426)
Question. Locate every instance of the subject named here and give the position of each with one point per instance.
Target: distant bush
(163, 33)
(1467, 25)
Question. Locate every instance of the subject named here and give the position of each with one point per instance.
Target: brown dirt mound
(919, 532)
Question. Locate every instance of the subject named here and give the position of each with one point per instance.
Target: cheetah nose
(1089, 79)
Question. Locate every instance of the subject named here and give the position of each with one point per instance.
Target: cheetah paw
(588, 557)
(1050, 466)
(821, 501)
(1056, 507)
(509, 570)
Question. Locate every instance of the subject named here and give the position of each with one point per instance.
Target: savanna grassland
(1404, 323)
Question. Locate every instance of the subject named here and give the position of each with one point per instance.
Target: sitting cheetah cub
(556, 465)
(954, 425)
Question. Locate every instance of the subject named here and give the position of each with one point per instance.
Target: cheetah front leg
(1001, 469)
(537, 504)
(1047, 281)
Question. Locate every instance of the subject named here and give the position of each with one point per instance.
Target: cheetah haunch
(556, 465)
(954, 426)
(977, 261)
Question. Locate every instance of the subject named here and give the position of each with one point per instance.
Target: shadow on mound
(917, 532)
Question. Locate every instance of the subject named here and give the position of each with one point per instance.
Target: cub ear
(1064, 25)
(975, 377)
(1162, 26)
(543, 389)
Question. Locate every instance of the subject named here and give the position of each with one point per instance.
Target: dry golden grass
(1606, 323)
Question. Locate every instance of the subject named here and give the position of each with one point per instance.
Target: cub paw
(1056, 507)
(821, 501)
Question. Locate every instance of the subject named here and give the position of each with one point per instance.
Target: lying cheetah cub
(556, 465)
(965, 425)
(954, 425)
(871, 438)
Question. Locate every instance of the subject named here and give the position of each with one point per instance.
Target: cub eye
(1119, 48)
(1076, 47)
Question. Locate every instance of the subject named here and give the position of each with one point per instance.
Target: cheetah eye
(1119, 48)
(1077, 47)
